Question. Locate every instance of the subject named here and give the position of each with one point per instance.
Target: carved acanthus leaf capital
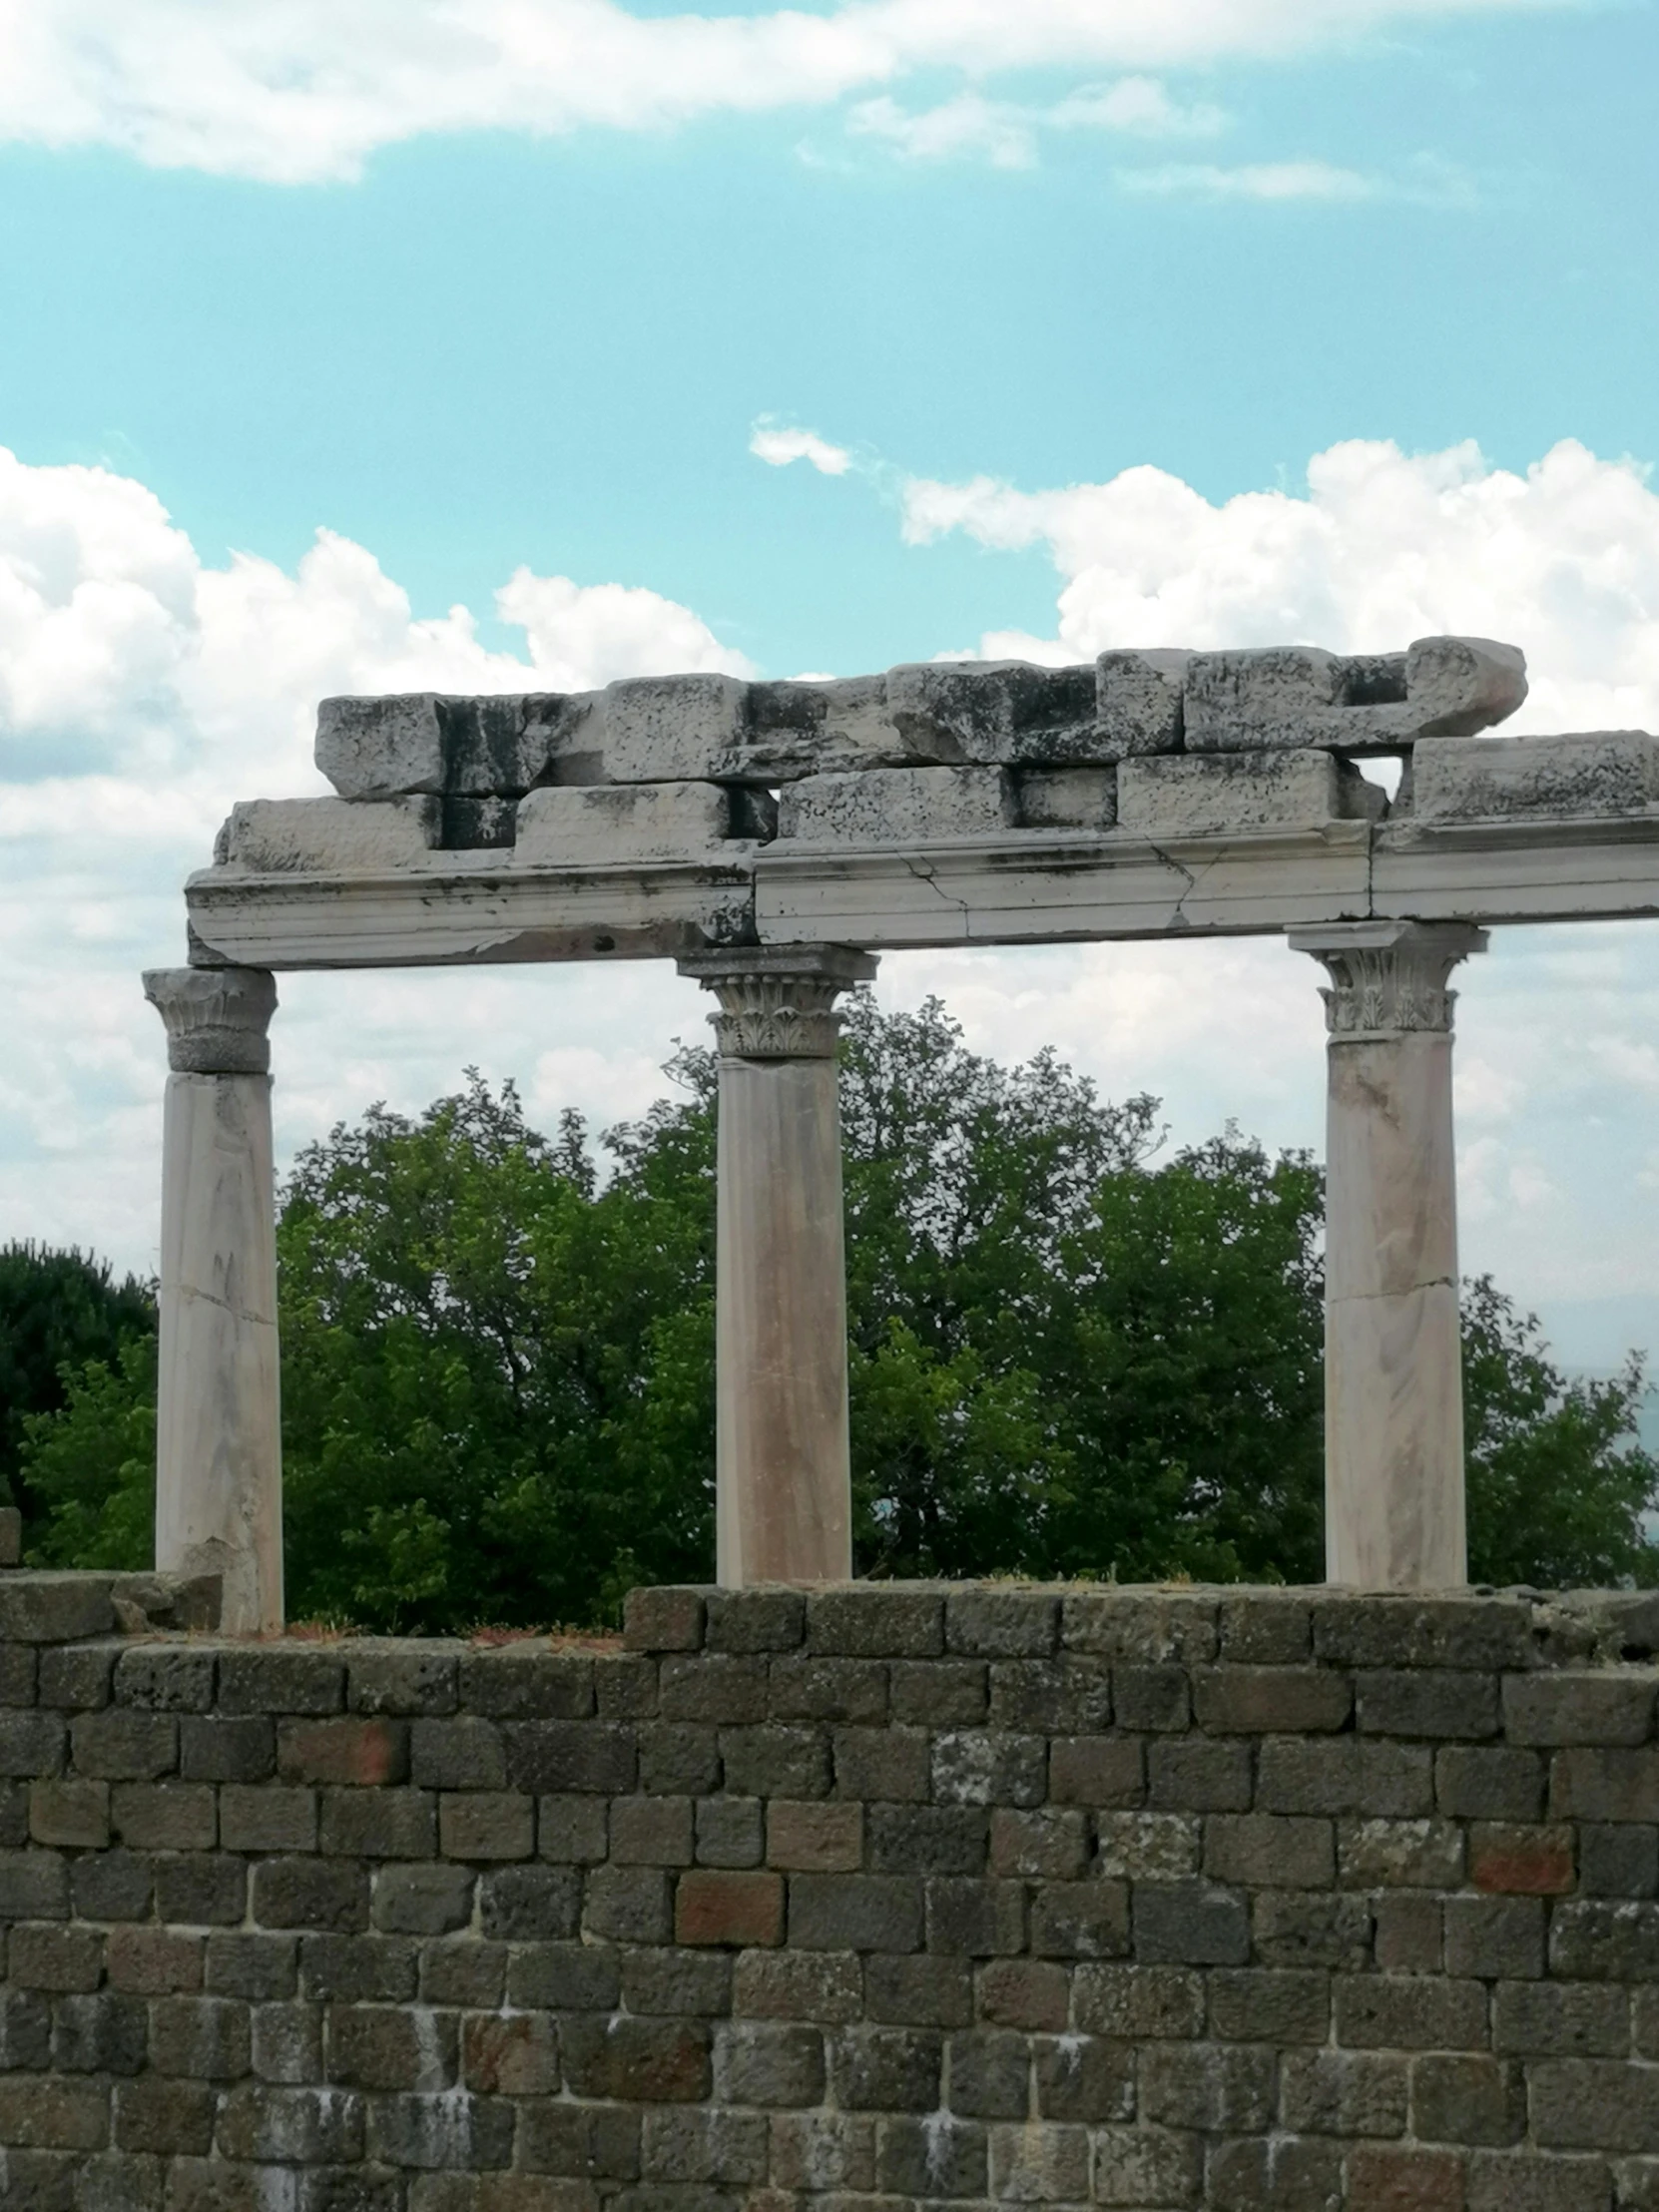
(1388, 978)
(779, 1002)
(215, 1018)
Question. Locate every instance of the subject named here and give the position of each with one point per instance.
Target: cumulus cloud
(777, 447)
(290, 91)
(1252, 181)
(1006, 133)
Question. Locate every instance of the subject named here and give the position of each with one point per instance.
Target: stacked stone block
(707, 769)
(877, 1897)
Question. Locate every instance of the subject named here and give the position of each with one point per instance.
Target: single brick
(513, 2058)
(1080, 2078)
(1593, 2104)
(637, 2061)
(359, 1753)
(527, 1682)
(1199, 1775)
(805, 1688)
(310, 1893)
(660, 1978)
(1494, 1784)
(918, 1993)
(1148, 1847)
(280, 1679)
(774, 1761)
(975, 1919)
(682, 2146)
(103, 2032)
(78, 1676)
(300, 2127)
(714, 1905)
(927, 1839)
(254, 1966)
(1345, 1774)
(1257, 2005)
(25, 2032)
(760, 2064)
(1395, 2179)
(121, 1745)
(990, 2075)
(44, 1956)
(379, 1823)
(288, 2044)
(886, 2070)
(201, 1888)
(855, 1912)
(457, 1754)
(680, 1760)
(1257, 2172)
(884, 1763)
(153, 1961)
(421, 1900)
(358, 1970)
(1080, 1920)
(1001, 1624)
(940, 1693)
(403, 1681)
(755, 1620)
(798, 1986)
(1038, 2163)
(1579, 1709)
(1469, 2100)
(451, 2128)
(1410, 2012)
(650, 1831)
(1617, 1861)
(34, 1885)
(1148, 1628)
(466, 1972)
(987, 1766)
(173, 2118)
(868, 1621)
(529, 1903)
(113, 1886)
(1344, 2093)
(1502, 2181)
(1266, 1627)
(214, 1748)
(624, 1686)
(54, 2115)
(1097, 1770)
(1462, 1633)
(1190, 1923)
(206, 2039)
(1156, 1698)
(1604, 1940)
(1408, 1932)
(1051, 1843)
(70, 1812)
(549, 1757)
(1219, 2087)
(931, 2157)
(715, 1687)
(1270, 1701)
(1530, 1862)
(1403, 1854)
(166, 1679)
(486, 1824)
(573, 1830)
(663, 1619)
(1560, 2019)
(809, 1838)
(252, 1819)
(593, 2140)
(729, 1832)
(1270, 1850)
(630, 1904)
(1495, 1937)
(1028, 1993)
(382, 2046)
(165, 1815)
(1594, 1784)
(561, 1977)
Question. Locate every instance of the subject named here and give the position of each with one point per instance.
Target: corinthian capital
(215, 1018)
(778, 1002)
(1388, 977)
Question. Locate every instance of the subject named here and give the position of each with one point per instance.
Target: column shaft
(783, 1509)
(1393, 1398)
(219, 1475)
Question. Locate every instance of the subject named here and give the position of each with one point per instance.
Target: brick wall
(887, 1895)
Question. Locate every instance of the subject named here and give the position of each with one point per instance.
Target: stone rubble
(706, 769)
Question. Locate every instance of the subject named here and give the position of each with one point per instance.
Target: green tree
(58, 1310)
(1070, 1355)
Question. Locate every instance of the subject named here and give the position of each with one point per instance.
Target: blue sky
(276, 269)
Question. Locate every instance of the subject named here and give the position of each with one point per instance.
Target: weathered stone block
(642, 2061)
(1084, 798)
(896, 807)
(664, 1619)
(329, 836)
(714, 1906)
(364, 1754)
(655, 727)
(460, 1754)
(1194, 1775)
(988, 1767)
(1579, 1708)
(891, 1763)
(1599, 772)
(1527, 1861)
(1202, 795)
(525, 1682)
(648, 1830)
(1410, 2012)
(997, 710)
(1190, 1923)
(422, 1901)
(1494, 1938)
(886, 2070)
(990, 2075)
(927, 1839)
(664, 1980)
(1298, 696)
(1414, 1701)
(1148, 1847)
(1489, 1784)
(809, 1688)
(918, 1993)
(1139, 2004)
(79, 1675)
(772, 1761)
(404, 1684)
(215, 1749)
(1341, 2093)
(870, 1622)
(1560, 2019)
(594, 825)
(1270, 1850)
(1238, 1700)
(1264, 2006)
(808, 1837)
(1097, 1770)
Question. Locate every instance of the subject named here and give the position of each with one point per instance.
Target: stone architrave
(219, 1467)
(1393, 1400)
(783, 1470)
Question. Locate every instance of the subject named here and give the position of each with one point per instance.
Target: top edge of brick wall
(1155, 1625)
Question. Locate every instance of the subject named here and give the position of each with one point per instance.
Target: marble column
(219, 1466)
(782, 1479)
(1394, 1390)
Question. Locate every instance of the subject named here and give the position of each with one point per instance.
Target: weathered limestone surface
(1298, 694)
(1394, 1404)
(896, 805)
(577, 825)
(1195, 796)
(784, 1502)
(329, 836)
(1604, 772)
(219, 1477)
(896, 1895)
(1066, 797)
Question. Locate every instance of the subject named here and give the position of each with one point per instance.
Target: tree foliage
(58, 1310)
(1071, 1354)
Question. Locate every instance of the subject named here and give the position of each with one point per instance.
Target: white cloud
(778, 447)
(294, 90)
(1006, 133)
(1252, 181)
(1138, 104)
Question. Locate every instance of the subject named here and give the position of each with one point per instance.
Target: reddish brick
(153, 1961)
(714, 1906)
(360, 1752)
(1521, 1862)
(1404, 2181)
(810, 1838)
